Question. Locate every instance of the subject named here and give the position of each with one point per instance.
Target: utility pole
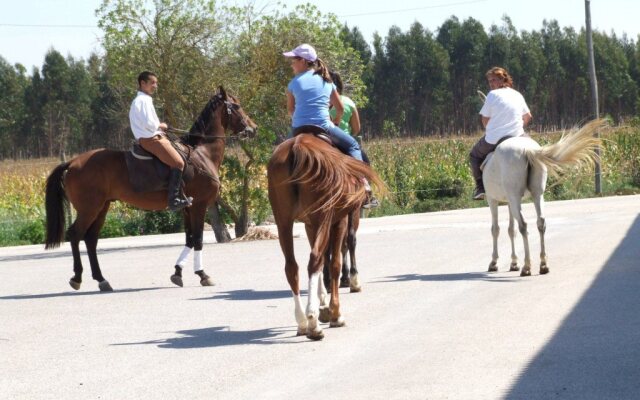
(594, 87)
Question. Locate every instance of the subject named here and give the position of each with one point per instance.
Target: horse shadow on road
(215, 337)
(250, 294)
(461, 276)
(595, 353)
(73, 294)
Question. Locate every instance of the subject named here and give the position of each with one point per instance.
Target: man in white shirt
(504, 114)
(149, 132)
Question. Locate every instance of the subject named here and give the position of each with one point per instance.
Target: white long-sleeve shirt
(143, 118)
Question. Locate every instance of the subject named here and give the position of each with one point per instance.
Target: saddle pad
(146, 174)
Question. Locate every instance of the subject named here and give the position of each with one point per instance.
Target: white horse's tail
(578, 148)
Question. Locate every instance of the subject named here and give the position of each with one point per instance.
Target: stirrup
(371, 202)
(478, 194)
(178, 204)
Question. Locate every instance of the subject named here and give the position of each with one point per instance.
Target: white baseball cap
(304, 51)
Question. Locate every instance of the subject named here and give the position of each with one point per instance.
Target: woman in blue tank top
(309, 95)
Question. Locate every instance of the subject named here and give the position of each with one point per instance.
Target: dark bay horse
(312, 182)
(92, 180)
(349, 276)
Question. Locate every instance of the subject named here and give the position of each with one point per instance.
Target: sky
(29, 28)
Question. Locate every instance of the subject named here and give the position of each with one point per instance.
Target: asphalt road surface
(430, 323)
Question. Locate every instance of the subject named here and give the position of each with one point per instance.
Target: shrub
(32, 232)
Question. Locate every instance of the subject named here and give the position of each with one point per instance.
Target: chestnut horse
(92, 180)
(312, 182)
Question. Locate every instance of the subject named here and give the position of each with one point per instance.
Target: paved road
(429, 324)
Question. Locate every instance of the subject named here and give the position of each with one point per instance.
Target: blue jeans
(345, 142)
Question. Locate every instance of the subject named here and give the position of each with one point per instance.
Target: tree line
(413, 83)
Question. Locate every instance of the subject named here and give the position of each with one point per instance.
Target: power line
(412, 9)
(48, 26)
(394, 11)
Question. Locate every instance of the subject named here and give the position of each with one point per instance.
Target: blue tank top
(312, 96)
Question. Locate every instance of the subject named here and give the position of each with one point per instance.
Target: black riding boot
(175, 199)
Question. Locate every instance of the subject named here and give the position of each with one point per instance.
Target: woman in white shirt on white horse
(504, 114)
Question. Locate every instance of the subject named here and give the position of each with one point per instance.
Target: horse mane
(196, 132)
(333, 177)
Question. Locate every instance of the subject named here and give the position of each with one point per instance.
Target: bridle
(231, 108)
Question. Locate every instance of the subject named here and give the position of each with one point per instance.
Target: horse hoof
(544, 270)
(75, 285)
(493, 267)
(301, 332)
(355, 289)
(345, 282)
(176, 280)
(514, 267)
(337, 324)
(325, 315)
(525, 272)
(104, 286)
(206, 281)
(315, 335)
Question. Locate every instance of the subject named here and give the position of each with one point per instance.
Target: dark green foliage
(32, 231)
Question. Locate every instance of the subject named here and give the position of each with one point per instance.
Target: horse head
(223, 112)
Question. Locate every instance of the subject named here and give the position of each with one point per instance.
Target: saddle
(148, 174)
(488, 157)
(315, 130)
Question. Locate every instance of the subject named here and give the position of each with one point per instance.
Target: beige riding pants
(160, 147)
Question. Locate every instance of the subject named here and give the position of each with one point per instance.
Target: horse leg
(325, 276)
(197, 229)
(337, 239)
(285, 237)
(76, 279)
(91, 241)
(538, 201)
(345, 279)
(176, 278)
(320, 237)
(515, 209)
(76, 233)
(495, 231)
(354, 281)
(512, 237)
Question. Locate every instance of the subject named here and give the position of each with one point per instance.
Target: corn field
(421, 175)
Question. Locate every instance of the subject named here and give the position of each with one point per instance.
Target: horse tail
(578, 147)
(55, 201)
(335, 178)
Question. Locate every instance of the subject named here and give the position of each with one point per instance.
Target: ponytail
(323, 70)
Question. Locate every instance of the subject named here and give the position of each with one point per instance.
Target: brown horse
(92, 180)
(312, 182)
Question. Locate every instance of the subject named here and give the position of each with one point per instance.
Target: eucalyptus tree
(465, 42)
(617, 90)
(13, 82)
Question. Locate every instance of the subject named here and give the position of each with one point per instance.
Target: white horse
(519, 166)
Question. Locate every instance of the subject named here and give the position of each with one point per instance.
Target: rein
(205, 139)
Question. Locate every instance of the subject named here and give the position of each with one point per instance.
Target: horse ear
(222, 92)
